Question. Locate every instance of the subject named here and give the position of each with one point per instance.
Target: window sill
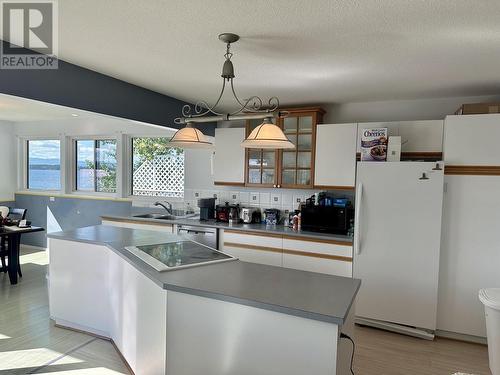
(57, 194)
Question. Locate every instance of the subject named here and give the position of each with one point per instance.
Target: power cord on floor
(344, 336)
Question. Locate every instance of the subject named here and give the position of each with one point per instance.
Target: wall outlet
(52, 199)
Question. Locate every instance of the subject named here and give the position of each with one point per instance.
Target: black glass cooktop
(177, 254)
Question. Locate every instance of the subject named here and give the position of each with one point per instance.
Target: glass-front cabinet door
(297, 166)
(261, 164)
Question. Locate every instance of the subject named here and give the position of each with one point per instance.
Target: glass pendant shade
(190, 137)
(268, 136)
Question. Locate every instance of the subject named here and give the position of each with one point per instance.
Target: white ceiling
(303, 51)
(16, 109)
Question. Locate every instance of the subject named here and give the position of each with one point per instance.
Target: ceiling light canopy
(266, 135)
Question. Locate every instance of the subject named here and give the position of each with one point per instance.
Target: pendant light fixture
(266, 135)
(190, 137)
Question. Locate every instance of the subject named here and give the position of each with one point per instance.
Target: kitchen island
(223, 318)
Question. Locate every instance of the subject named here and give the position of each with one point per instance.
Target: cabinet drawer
(327, 248)
(326, 256)
(257, 239)
(321, 265)
(256, 248)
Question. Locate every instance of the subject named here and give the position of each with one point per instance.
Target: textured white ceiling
(314, 51)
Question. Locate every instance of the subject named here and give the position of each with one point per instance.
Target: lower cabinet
(307, 254)
(167, 228)
(323, 257)
(254, 248)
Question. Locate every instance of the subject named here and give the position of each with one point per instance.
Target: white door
(397, 242)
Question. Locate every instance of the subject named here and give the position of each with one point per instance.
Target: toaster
(250, 215)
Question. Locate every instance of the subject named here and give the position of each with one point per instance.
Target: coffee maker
(207, 208)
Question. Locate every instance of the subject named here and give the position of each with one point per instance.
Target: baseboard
(101, 335)
(462, 337)
(397, 328)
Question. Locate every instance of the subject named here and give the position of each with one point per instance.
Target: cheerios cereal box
(374, 144)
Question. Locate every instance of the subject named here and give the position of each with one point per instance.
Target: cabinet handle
(274, 186)
(279, 186)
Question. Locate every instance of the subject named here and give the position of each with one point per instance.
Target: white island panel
(212, 337)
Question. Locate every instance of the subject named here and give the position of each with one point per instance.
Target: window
(44, 165)
(96, 165)
(157, 169)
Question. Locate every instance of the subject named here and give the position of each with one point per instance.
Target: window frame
(128, 166)
(23, 163)
(73, 170)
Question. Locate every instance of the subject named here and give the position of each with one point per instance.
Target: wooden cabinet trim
(472, 170)
(415, 155)
(223, 183)
(253, 247)
(327, 187)
(288, 251)
(319, 240)
(288, 237)
(317, 255)
(274, 235)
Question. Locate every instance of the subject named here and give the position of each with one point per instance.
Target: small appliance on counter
(250, 215)
(207, 208)
(326, 213)
(227, 213)
(272, 216)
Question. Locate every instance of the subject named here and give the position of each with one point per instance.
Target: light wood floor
(30, 344)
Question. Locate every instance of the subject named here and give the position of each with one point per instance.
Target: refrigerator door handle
(357, 219)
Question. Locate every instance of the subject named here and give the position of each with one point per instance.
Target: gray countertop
(306, 294)
(259, 228)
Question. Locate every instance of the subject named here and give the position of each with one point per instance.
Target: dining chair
(16, 214)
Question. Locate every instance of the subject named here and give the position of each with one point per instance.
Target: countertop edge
(342, 240)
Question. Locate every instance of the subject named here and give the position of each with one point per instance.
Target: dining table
(13, 236)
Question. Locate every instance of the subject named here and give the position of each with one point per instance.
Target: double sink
(176, 215)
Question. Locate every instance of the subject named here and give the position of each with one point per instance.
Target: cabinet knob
(274, 185)
(279, 186)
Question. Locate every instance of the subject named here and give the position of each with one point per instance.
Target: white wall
(399, 110)
(8, 179)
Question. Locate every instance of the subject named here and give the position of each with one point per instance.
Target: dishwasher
(205, 235)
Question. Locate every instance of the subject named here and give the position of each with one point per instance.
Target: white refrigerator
(396, 245)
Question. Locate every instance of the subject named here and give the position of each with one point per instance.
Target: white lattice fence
(161, 177)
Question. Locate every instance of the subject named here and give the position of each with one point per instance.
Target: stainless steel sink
(178, 214)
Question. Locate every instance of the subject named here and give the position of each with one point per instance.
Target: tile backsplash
(283, 199)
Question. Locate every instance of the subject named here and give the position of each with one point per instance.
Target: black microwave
(327, 219)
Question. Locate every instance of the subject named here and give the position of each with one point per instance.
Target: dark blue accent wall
(73, 86)
(65, 213)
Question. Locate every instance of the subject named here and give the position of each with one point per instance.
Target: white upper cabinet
(335, 164)
(416, 136)
(229, 165)
(472, 139)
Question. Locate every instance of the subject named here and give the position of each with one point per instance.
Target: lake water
(45, 179)
(50, 179)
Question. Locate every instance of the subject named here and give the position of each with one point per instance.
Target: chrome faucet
(167, 207)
